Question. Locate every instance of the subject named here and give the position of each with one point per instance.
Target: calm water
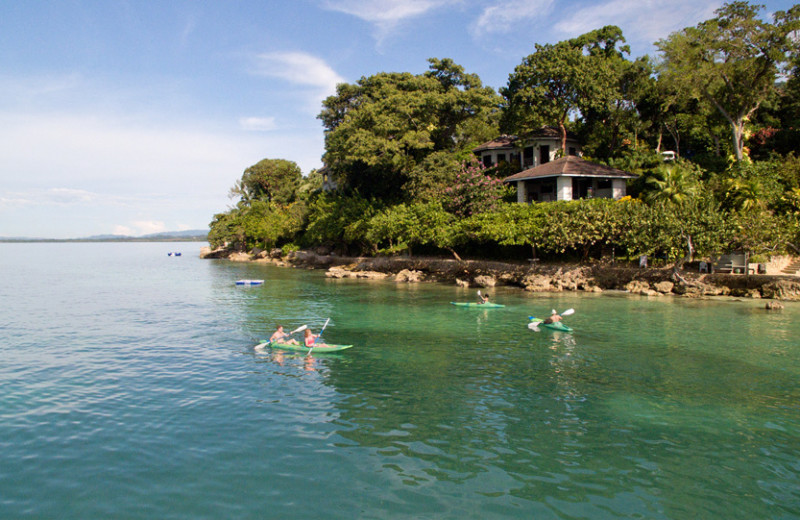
(129, 388)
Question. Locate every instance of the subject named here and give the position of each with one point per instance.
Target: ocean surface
(130, 389)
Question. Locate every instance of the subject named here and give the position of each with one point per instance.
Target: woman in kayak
(310, 339)
(483, 298)
(281, 337)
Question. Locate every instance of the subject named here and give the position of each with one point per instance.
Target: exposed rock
(276, 252)
(781, 290)
(773, 306)
(485, 281)
(664, 287)
(341, 272)
(409, 276)
(462, 283)
(640, 287)
(207, 252)
(239, 257)
(537, 283)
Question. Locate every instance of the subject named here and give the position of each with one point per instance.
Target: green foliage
(340, 221)
(383, 127)
(272, 180)
(473, 191)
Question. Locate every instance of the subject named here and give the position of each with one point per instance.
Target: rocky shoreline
(596, 277)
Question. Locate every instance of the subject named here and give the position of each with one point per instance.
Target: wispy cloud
(504, 17)
(643, 21)
(385, 15)
(301, 69)
(257, 124)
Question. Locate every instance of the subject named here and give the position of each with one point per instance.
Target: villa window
(487, 160)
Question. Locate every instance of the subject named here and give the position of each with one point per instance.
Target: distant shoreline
(94, 240)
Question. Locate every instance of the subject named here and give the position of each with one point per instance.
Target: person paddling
(483, 298)
(310, 339)
(555, 317)
(279, 336)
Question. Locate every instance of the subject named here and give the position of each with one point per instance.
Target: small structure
(734, 263)
(534, 149)
(569, 178)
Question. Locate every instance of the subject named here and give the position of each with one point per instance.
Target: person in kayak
(311, 338)
(555, 317)
(281, 337)
(483, 298)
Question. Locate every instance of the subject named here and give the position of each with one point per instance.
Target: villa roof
(507, 141)
(570, 166)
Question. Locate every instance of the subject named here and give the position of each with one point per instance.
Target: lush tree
(473, 190)
(384, 126)
(274, 180)
(564, 80)
(731, 61)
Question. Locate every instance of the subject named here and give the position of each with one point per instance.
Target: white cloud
(386, 15)
(643, 21)
(298, 68)
(257, 124)
(504, 17)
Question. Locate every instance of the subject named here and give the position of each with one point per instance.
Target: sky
(136, 117)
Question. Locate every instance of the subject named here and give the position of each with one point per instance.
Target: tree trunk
(563, 129)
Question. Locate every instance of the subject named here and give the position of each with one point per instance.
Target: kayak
(249, 282)
(552, 326)
(322, 347)
(478, 305)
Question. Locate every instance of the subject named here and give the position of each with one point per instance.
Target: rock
(640, 287)
(409, 276)
(788, 290)
(485, 281)
(239, 257)
(207, 252)
(276, 252)
(462, 283)
(664, 287)
(340, 272)
(773, 306)
(537, 283)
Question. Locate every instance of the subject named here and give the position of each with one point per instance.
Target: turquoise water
(130, 388)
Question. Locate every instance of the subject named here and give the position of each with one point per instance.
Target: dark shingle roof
(571, 166)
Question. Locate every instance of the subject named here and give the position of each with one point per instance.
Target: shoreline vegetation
(548, 277)
(705, 136)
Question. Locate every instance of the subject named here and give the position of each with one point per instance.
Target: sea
(131, 388)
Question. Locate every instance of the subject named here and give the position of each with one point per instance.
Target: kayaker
(311, 338)
(281, 337)
(555, 317)
(483, 298)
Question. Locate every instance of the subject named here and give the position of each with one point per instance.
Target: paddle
(319, 336)
(301, 328)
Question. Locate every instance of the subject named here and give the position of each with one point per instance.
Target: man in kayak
(554, 318)
(483, 298)
(281, 337)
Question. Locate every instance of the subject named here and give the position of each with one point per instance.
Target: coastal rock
(485, 281)
(788, 290)
(773, 306)
(664, 287)
(239, 257)
(537, 283)
(640, 287)
(207, 252)
(409, 276)
(462, 283)
(340, 272)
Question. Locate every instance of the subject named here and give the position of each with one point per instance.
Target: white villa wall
(618, 188)
(564, 188)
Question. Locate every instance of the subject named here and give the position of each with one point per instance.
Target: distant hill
(190, 235)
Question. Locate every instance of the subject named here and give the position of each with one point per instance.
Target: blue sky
(134, 117)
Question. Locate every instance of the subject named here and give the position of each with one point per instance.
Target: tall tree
(564, 80)
(731, 61)
(273, 180)
(381, 128)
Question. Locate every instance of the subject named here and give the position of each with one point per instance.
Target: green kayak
(552, 326)
(478, 305)
(322, 347)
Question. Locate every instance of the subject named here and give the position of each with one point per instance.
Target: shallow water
(130, 388)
